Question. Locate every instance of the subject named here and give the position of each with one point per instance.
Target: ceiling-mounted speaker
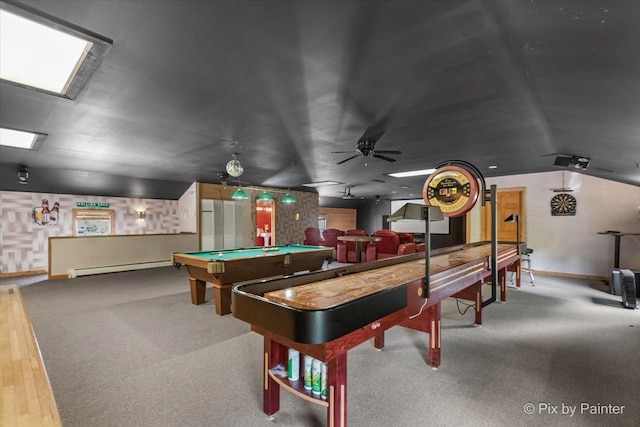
(23, 175)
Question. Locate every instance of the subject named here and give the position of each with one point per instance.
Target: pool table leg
(198, 289)
(222, 295)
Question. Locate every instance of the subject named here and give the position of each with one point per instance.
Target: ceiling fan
(366, 146)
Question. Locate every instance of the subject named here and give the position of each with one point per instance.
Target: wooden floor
(27, 398)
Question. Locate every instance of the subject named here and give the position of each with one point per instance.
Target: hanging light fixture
(288, 198)
(234, 168)
(240, 194)
(265, 197)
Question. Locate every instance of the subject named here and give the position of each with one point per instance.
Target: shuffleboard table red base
(301, 313)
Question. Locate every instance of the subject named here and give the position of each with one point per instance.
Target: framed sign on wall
(93, 222)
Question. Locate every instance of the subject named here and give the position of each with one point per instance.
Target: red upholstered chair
(390, 245)
(406, 237)
(346, 251)
(330, 236)
(312, 237)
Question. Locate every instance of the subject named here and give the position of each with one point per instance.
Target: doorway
(510, 201)
(265, 223)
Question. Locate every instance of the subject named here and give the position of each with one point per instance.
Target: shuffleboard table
(327, 313)
(225, 267)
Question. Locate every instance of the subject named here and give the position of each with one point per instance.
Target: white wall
(25, 242)
(188, 210)
(571, 244)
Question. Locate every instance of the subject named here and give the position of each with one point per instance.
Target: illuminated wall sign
(92, 205)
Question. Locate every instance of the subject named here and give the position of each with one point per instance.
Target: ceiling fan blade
(343, 152)
(388, 159)
(346, 160)
(388, 152)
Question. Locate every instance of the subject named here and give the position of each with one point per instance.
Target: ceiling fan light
(288, 198)
(265, 197)
(240, 194)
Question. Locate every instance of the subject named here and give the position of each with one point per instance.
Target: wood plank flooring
(27, 398)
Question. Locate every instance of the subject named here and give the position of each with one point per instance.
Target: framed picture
(93, 222)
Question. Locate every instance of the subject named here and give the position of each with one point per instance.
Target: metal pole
(427, 253)
(494, 247)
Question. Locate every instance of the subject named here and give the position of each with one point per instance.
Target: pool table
(225, 267)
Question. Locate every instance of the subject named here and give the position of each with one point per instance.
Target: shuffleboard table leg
(198, 289)
(478, 290)
(378, 340)
(502, 280)
(433, 313)
(518, 273)
(273, 356)
(337, 391)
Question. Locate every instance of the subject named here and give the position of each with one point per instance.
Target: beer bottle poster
(45, 215)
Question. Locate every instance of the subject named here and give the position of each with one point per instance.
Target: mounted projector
(577, 162)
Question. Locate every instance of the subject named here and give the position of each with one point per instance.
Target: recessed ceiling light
(412, 173)
(48, 55)
(21, 139)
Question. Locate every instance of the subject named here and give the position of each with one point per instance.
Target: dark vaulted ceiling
(511, 84)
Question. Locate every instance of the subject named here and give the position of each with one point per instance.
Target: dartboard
(563, 205)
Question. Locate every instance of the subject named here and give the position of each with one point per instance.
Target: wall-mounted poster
(43, 215)
(93, 222)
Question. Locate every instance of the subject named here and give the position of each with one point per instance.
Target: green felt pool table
(225, 267)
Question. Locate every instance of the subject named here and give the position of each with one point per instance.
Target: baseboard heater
(75, 272)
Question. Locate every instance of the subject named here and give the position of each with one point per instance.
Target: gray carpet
(129, 349)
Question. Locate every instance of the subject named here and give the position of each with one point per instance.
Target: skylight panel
(35, 55)
(44, 53)
(21, 139)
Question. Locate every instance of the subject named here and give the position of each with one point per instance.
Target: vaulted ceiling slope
(511, 84)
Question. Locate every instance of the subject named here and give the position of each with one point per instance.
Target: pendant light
(265, 197)
(240, 194)
(288, 198)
